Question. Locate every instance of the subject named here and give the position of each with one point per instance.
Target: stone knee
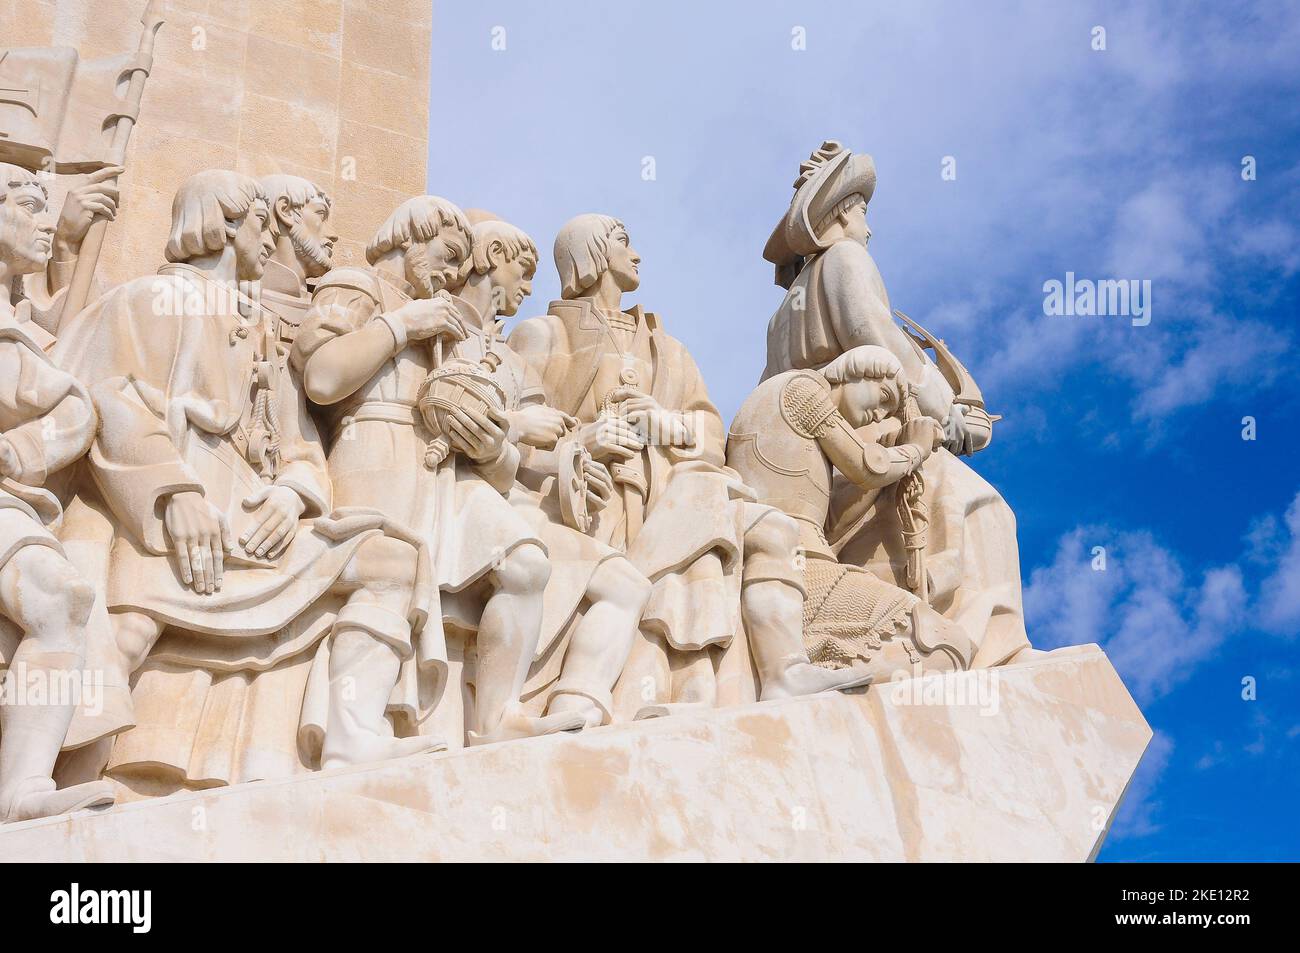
(135, 634)
(617, 580)
(524, 570)
(48, 599)
(383, 570)
(772, 552)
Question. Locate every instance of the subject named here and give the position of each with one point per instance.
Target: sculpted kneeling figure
(788, 441)
(228, 548)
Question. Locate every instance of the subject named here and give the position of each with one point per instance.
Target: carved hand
(540, 426)
(600, 485)
(652, 420)
(611, 437)
(431, 317)
(275, 522)
(96, 197)
(923, 433)
(200, 540)
(479, 436)
(956, 437)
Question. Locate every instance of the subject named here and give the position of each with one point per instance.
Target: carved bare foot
(566, 702)
(666, 709)
(37, 797)
(804, 678)
(517, 725)
(372, 747)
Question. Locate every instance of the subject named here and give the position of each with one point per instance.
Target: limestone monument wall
(336, 91)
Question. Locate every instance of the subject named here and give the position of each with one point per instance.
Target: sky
(1161, 148)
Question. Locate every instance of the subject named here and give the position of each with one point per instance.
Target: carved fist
(200, 540)
(923, 433)
(479, 436)
(431, 317)
(95, 198)
(540, 426)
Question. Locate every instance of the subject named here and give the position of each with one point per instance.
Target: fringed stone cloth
(848, 612)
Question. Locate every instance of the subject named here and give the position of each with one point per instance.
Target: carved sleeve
(699, 416)
(859, 315)
(339, 348)
(58, 418)
(135, 463)
(807, 407)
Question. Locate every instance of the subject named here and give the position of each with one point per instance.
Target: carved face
(867, 400)
(437, 264)
(512, 282)
(624, 262)
(855, 223)
(254, 243)
(25, 235)
(310, 232)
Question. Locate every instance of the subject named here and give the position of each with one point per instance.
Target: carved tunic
(378, 441)
(47, 418)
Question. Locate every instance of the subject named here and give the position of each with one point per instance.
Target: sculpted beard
(309, 248)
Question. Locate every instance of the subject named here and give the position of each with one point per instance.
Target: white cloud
(1280, 591)
(1155, 625)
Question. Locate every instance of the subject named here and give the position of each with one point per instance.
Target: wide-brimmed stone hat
(827, 177)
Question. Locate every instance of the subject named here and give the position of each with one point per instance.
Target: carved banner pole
(84, 271)
(913, 513)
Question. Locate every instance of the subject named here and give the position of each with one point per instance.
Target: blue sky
(1119, 163)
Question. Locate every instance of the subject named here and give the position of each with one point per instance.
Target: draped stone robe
(184, 374)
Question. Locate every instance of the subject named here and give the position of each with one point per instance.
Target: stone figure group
(284, 516)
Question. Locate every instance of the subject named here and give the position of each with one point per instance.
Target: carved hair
(868, 361)
(511, 242)
(582, 252)
(25, 177)
(297, 190)
(419, 219)
(842, 207)
(207, 210)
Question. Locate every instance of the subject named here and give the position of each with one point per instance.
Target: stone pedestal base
(1021, 763)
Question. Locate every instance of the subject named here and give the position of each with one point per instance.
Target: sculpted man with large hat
(836, 301)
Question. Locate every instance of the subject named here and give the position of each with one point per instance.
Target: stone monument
(283, 503)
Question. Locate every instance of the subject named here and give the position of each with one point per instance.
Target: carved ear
(285, 211)
(496, 251)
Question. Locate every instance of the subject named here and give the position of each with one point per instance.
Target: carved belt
(389, 411)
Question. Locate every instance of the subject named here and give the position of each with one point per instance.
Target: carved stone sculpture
(594, 596)
(686, 522)
(365, 349)
(46, 422)
(790, 437)
(836, 301)
(228, 542)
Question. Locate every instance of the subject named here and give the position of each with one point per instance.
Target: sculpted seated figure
(836, 301)
(790, 436)
(594, 597)
(365, 348)
(228, 548)
(46, 422)
(685, 521)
